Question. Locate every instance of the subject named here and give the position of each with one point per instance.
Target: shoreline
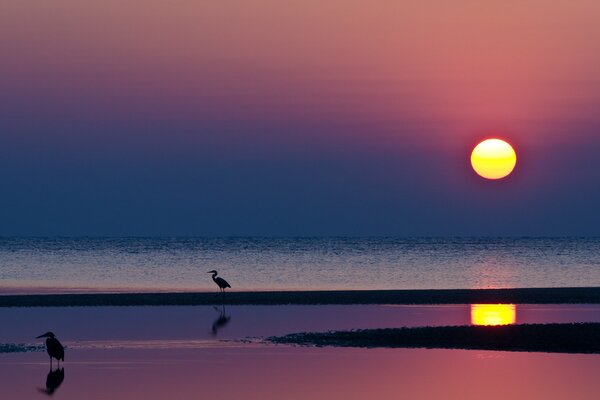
(578, 338)
(577, 295)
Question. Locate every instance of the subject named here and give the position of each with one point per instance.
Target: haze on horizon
(297, 118)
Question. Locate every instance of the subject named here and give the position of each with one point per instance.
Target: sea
(92, 264)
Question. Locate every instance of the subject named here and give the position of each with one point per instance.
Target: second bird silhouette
(53, 347)
(221, 283)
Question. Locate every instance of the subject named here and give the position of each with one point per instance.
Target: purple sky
(297, 118)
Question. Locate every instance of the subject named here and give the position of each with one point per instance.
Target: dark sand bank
(450, 296)
(550, 338)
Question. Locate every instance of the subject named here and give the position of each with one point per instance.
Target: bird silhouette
(54, 379)
(221, 283)
(53, 347)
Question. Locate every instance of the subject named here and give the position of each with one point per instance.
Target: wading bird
(222, 283)
(53, 347)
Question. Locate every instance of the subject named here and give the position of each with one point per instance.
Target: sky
(296, 118)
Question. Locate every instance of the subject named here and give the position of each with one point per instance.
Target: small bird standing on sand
(53, 347)
(222, 283)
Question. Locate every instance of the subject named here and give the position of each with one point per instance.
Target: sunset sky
(292, 118)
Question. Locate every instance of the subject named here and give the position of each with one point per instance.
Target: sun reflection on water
(493, 314)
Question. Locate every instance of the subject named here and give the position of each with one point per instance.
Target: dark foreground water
(64, 264)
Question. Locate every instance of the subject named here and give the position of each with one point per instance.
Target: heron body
(54, 348)
(221, 283)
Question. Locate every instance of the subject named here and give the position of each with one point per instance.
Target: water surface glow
(160, 352)
(493, 314)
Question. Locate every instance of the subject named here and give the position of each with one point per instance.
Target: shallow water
(81, 264)
(306, 373)
(179, 352)
(95, 326)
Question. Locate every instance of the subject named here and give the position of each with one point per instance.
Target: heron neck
(214, 276)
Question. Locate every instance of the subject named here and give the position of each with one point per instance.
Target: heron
(53, 347)
(221, 283)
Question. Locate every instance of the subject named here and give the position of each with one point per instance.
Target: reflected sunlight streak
(493, 314)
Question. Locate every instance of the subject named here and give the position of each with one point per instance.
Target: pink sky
(257, 83)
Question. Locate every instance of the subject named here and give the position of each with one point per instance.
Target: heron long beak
(41, 336)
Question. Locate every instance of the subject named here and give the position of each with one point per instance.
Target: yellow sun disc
(493, 159)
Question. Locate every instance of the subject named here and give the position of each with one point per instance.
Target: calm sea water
(64, 264)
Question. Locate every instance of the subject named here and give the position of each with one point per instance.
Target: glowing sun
(493, 159)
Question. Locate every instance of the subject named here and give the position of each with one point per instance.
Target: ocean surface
(29, 265)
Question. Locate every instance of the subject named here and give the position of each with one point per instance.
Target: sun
(493, 159)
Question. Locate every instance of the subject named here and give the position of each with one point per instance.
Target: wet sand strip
(580, 295)
(550, 338)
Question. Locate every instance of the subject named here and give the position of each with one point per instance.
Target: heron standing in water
(53, 347)
(221, 283)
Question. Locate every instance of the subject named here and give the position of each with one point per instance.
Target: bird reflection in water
(221, 321)
(54, 379)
